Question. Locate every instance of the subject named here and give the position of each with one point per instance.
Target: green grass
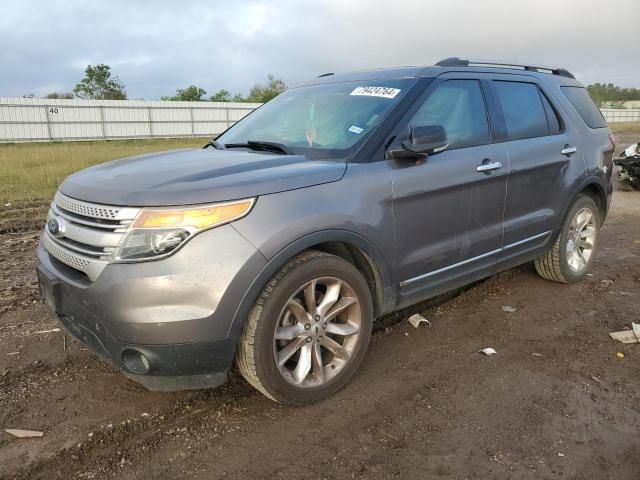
(625, 127)
(31, 172)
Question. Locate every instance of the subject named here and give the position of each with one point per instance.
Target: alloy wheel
(317, 332)
(581, 240)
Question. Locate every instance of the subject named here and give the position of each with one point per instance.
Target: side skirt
(437, 282)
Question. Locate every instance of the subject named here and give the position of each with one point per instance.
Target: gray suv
(348, 197)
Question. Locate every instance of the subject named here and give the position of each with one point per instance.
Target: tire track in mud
(424, 405)
(205, 416)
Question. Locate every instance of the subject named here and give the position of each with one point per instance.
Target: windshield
(320, 121)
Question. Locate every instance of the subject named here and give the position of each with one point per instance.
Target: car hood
(183, 177)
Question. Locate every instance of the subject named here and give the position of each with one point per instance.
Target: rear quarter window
(586, 108)
(555, 125)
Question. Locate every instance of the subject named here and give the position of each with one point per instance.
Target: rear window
(524, 113)
(582, 102)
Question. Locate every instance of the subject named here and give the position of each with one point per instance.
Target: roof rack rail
(459, 62)
(325, 75)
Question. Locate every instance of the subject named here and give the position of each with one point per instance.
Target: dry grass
(31, 172)
(625, 127)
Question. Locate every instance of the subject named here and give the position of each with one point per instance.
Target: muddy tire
(308, 331)
(571, 256)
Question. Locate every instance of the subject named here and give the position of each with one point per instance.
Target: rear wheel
(308, 332)
(571, 257)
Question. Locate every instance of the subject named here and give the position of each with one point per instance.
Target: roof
(375, 74)
(443, 66)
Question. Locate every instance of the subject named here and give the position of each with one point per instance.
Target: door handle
(487, 167)
(568, 150)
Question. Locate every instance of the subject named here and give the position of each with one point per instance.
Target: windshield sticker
(311, 129)
(311, 135)
(312, 111)
(354, 129)
(383, 92)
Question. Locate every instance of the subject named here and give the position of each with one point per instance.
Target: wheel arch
(593, 187)
(350, 246)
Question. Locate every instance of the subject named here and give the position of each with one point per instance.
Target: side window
(524, 113)
(457, 105)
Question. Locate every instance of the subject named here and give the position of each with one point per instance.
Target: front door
(448, 208)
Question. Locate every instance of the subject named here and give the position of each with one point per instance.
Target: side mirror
(423, 141)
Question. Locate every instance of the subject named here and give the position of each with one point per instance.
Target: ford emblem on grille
(55, 227)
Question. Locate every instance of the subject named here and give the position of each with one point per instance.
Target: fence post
(149, 120)
(191, 117)
(46, 113)
(226, 111)
(102, 122)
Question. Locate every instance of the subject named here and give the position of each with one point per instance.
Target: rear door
(544, 158)
(448, 208)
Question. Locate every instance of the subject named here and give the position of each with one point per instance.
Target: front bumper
(176, 312)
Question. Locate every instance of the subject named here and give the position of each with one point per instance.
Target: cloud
(158, 46)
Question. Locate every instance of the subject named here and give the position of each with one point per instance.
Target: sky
(158, 46)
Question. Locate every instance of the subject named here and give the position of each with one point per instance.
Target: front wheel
(309, 330)
(571, 257)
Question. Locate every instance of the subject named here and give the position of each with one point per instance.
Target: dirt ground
(555, 402)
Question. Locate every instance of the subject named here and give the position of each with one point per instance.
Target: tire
(564, 262)
(288, 318)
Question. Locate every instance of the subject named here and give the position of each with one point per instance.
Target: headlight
(156, 232)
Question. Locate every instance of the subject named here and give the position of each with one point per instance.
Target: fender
(293, 249)
(598, 182)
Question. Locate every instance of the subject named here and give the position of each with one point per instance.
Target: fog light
(135, 361)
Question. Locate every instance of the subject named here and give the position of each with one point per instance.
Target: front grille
(85, 209)
(89, 235)
(68, 258)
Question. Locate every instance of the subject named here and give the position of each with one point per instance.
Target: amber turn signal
(197, 218)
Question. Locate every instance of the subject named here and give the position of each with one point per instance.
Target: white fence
(33, 119)
(613, 115)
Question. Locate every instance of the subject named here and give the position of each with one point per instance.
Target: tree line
(100, 84)
(603, 93)
(259, 93)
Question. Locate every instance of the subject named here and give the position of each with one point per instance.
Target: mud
(554, 402)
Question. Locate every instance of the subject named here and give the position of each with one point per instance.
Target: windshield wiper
(261, 146)
(214, 144)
